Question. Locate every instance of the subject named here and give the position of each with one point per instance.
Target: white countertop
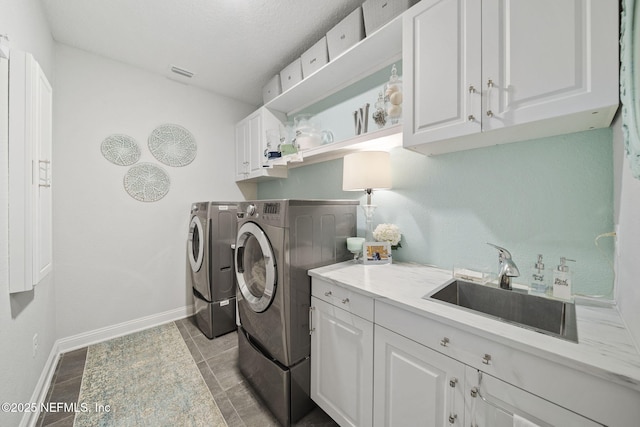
(605, 347)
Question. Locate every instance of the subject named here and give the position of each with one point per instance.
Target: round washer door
(255, 267)
(195, 246)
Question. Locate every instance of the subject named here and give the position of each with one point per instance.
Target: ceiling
(233, 47)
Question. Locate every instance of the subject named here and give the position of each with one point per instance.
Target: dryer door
(255, 267)
(195, 245)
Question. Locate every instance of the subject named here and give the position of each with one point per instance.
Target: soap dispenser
(539, 281)
(562, 280)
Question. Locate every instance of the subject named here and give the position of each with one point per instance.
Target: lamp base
(368, 215)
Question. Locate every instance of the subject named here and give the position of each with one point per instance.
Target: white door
(442, 53)
(414, 385)
(255, 267)
(341, 364)
(546, 58)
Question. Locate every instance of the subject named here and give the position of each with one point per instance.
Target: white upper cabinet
(30, 137)
(495, 71)
(251, 143)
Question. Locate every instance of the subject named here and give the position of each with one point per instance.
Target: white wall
(25, 314)
(118, 259)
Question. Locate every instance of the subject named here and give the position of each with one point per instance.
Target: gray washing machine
(212, 235)
(278, 241)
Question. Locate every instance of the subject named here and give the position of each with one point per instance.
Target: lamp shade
(366, 170)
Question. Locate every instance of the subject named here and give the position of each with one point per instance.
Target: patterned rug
(144, 379)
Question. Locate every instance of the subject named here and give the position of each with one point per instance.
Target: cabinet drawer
(350, 301)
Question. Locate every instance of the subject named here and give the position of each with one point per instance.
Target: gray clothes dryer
(278, 241)
(212, 234)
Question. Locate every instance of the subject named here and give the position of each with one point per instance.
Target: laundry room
(125, 257)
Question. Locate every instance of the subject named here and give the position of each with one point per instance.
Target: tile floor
(217, 361)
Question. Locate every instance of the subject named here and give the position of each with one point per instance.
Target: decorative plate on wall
(146, 182)
(172, 145)
(121, 150)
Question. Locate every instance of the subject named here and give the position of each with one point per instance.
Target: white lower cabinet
(376, 364)
(341, 363)
(414, 385)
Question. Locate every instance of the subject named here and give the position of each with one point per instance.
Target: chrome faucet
(506, 267)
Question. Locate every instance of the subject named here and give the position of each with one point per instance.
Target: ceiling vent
(181, 71)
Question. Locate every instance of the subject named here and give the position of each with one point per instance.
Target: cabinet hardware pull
(486, 359)
(452, 418)
(345, 301)
(453, 382)
(311, 328)
(489, 90)
(444, 341)
(472, 90)
(327, 294)
(474, 392)
(44, 173)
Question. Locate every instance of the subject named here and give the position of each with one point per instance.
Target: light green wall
(551, 196)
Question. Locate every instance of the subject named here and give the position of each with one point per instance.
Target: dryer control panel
(268, 212)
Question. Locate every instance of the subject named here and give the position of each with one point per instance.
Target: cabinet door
(242, 162)
(495, 403)
(442, 53)
(547, 58)
(30, 133)
(341, 364)
(256, 152)
(42, 203)
(414, 385)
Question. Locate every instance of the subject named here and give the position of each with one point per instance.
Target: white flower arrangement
(388, 233)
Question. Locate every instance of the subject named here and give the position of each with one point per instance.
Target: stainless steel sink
(548, 316)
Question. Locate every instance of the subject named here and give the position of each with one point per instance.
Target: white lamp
(367, 171)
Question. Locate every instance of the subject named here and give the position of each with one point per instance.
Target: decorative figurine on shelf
(361, 119)
(379, 114)
(393, 96)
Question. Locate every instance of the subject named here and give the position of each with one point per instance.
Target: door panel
(414, 385)
(342, 364)
(541, 57)
(442, 41)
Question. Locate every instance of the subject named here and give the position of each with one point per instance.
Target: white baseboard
(42, 387)
(85, 339)
(98, 335)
